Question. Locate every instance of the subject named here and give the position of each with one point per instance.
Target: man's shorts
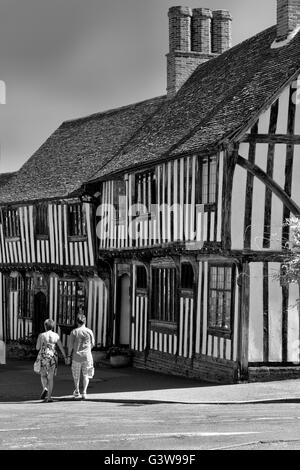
(86, 368)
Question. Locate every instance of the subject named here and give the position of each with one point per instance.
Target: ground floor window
(29, 297)
(16, 289)
(71, 301)
(164, 294)
(221, 298)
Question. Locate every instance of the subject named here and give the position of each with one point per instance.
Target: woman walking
(46, 345)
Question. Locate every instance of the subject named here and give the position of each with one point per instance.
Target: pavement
(18, 383)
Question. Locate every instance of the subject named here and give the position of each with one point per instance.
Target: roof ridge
(111, 111)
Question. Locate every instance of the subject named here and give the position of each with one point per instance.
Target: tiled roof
(221, 97)
(5, 178)
(74, 152)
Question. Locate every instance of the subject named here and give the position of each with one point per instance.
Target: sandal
(44, 393)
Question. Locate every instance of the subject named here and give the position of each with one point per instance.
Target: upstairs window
(119, 200)
(71, 301)
(221, 295)
(11, 223)
(41, 220)
(145, 190)
(164, 294)
(76, 221)
(207, 181)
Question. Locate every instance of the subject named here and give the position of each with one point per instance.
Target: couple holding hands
(79, 354)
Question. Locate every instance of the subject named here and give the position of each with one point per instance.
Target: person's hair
(81, 319)
(49, 324)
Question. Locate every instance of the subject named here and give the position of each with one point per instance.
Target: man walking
(80, 350)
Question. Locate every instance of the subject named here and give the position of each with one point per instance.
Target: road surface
(92, 425)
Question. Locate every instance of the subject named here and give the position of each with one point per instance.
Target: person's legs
(76, 368)
(87, 368)
(50, 383)
(85, 382)
(44, 381)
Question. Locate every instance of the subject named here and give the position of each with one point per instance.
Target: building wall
(57, 248)
(13, 327)
(258, 214)
(274, 333)
(193, 223)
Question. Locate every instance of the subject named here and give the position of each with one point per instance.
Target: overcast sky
(62, 59)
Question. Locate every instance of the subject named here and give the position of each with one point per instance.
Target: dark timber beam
(272, 139)
(270, 183)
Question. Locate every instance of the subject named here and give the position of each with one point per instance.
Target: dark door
(124, 311)
(40, 313)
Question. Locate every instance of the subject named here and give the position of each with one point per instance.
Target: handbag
(37, 364)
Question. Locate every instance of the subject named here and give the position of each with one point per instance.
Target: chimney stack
(195, 36)
(288, 18)
(221, 31)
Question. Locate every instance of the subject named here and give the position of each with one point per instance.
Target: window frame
(223, 332)
(19, 288)
(141, 289)
(161, 315)
(10, 219)
(208, 198)
(41, 221)
(77, 226)
(65, 299)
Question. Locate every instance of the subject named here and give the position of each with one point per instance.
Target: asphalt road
(70, 425)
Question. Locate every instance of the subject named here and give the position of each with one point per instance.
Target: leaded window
(164, 294)
(207, 180)
(71, 301)
(41, 219)
(76, 220)
(221, 290)
(11, 223)
(16, 290)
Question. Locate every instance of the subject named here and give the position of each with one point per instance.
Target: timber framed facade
(169, 228)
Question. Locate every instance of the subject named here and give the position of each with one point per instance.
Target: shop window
(221, 295)
(16, 290)
(164, 294)
(71, 301)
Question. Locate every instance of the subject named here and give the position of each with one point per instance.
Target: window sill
(11, 239)
(163, 326)
(220, 333)
(42, 237)
(77, 238)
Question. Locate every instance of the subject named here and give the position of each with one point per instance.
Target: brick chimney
(195, 36)
(221, 31)
(288, 18)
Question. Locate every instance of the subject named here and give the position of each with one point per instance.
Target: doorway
(124, 310)
(40, 313)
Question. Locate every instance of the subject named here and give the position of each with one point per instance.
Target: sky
(63, 59)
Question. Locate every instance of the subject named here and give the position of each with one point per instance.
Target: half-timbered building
(165, 221)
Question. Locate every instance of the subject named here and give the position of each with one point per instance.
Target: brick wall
(200, 367)
(288, 17)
